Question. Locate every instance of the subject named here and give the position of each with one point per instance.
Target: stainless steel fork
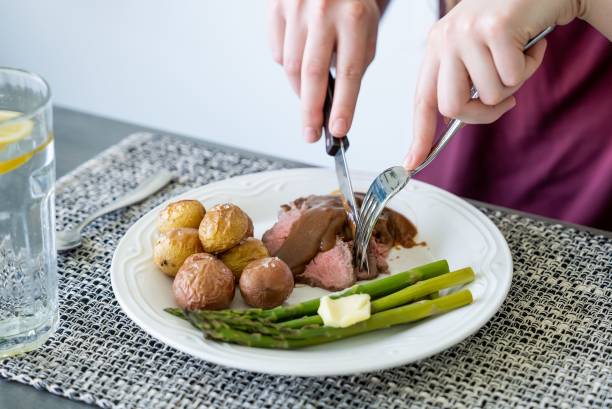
(391, 181)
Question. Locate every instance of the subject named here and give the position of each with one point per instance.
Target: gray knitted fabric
(550, 345)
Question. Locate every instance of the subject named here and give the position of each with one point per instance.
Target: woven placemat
(550, 345)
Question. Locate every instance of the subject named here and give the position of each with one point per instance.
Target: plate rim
(309, 371)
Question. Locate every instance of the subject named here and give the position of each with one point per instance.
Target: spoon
(70, 239)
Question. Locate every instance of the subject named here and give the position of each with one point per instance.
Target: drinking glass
(28, 268)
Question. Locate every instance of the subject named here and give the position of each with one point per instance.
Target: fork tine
(366, 207)
(361, 263)
(363, 239)
(368, 227)
(367, 202)
(361, 258)
(369, 223)
(357, 254)
(364, 216)
(367, 216)
(362, 225)
(360, 253)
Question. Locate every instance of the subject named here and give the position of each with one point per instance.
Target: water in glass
(28, 279)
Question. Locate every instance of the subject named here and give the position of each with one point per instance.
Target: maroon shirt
(552, 154)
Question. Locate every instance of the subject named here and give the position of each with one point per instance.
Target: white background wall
(202, 68)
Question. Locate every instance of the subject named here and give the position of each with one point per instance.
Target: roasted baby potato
(238, 257)
(223, 227)
(204, 282)
(173, 247)
(184, 213)
(266, 283)
(251, 230)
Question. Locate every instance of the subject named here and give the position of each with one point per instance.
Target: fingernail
(310, 134)
(339, 127)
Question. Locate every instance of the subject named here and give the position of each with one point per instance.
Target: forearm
(598, 13)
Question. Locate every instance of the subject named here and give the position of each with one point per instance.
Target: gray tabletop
(79, 137)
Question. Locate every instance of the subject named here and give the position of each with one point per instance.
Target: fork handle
(455, 124)
(332, 144)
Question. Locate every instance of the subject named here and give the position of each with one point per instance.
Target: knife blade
(345, 184)
(337, 148)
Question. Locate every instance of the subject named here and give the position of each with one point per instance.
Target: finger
(351, 53)
(276, 30)
(533, 58)
(454, 95)
(293, 50)
(453, 86)
(475, 112)
(371, 47)
(483, 74)
(508, 57)
(513, 64)
(315, 69)
(425, 112)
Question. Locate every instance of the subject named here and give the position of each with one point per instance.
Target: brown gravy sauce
(325, 219)
(314, 231)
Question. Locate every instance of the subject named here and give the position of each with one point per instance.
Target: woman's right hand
(304, 34)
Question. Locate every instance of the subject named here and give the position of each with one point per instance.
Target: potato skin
(266, 283)
(251, 229)
(237, 258)
(223, 227)
(173, 247)
(184, 213)
(204, 282)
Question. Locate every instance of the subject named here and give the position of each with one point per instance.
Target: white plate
(452, 228)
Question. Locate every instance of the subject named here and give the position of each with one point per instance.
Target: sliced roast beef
(321, 220)
(377, 261)
(274, 238)
(314, 237)
(331, 269)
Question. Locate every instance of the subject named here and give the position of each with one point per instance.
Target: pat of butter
(344, 311)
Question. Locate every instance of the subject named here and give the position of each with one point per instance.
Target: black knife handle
(332, 144)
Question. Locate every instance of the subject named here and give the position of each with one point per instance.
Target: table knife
(337, 148)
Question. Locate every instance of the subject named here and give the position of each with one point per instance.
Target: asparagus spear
(221, 314)
(433, 296)
(246, 324)
(376, 288)
(423, 288)
(417, 291)
(220, 331)
(177, 312)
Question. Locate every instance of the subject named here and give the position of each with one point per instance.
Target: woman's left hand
(480, 43)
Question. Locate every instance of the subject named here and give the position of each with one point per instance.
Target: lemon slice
(12, 164)
(11, 133)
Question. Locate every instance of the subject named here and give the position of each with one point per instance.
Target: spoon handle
(144, 190)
